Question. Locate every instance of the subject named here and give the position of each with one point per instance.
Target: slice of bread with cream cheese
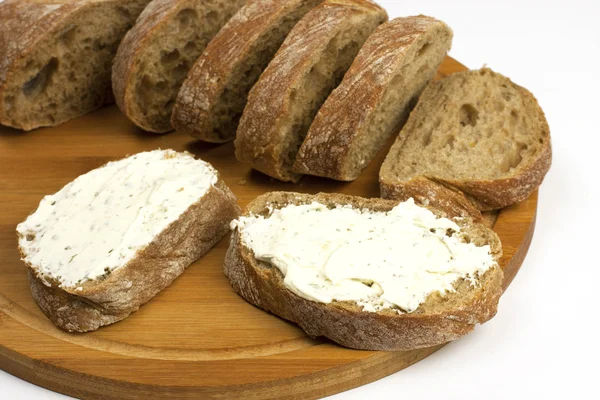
(110, 240)
(367, 273)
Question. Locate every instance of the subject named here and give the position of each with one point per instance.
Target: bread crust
(259, 135)
(344, 322)
(69, 312)
(111, 298)
(434, 194)
(227, 52)
(24, 24)
(484, 195)
(347, 112)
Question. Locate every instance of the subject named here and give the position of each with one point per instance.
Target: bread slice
(439, 319)
(475, 133)
(113, 238)
(156, 55)
(308, 66)
(212, 98)
(375, 97)
(56, 57)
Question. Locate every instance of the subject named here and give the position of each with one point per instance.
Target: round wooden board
(197, 338)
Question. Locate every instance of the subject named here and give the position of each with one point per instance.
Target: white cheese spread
(98, 222)
(379, 260)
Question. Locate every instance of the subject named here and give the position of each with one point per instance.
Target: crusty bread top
(260, 140)
(476, 132)
(374, 99)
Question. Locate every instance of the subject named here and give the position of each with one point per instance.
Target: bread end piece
(438, 320)
(115, 296)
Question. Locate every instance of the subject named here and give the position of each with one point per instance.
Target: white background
(543, 341)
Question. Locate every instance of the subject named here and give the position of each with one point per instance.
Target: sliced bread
(212, 98)
(475, 134)
(157, 53)
(113, 238)
(375, 97)
(56, 57)
(308, 66)
(327, 263)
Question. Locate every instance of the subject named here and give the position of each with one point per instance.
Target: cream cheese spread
(99, 221)
(379, 260)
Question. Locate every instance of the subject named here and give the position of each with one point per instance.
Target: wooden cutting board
(197, 338)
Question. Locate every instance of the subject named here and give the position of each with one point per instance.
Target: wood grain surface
(197, 338)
